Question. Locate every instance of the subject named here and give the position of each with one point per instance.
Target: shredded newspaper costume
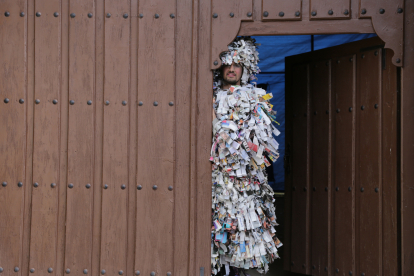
(243, 231)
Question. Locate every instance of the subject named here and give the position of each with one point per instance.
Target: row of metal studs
(85, 271)
(90, 15)
(72, 102)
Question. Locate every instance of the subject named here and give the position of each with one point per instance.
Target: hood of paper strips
(242, 50)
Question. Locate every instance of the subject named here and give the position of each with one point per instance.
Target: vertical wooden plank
(300, 189)
(99, 15)
(369, 163)
(13, 61)
(203, 129)
(407, 147)
(156, 138)
(115, 138)
(81, 128)
(343, 110)
(183, 70)
(46, 138)
(320, 81)
(30, 48)
(192, 269)
(64, 125)
(390, 167)
(133, 136)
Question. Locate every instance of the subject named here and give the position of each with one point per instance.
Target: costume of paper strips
(243, 231)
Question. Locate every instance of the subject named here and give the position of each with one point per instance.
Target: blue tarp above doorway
(272, 53)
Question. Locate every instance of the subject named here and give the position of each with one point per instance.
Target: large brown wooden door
(104, 138)
(342, 184)
(95, 154)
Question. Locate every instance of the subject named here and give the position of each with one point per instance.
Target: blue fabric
(272, 53)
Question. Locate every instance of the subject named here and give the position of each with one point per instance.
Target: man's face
(232, 73)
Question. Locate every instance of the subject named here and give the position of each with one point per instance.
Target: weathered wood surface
(46, 147)
(13, 68)
(156, 136)
(116, 121)
(281, 10)
(79, 206)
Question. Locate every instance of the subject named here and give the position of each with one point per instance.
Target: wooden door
(95, 151)
(342, 185)
(104, 138)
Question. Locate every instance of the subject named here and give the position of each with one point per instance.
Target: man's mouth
(231, 75)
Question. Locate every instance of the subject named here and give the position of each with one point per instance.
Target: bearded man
(243, 212)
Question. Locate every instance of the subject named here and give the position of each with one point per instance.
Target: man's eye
(237, 65)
